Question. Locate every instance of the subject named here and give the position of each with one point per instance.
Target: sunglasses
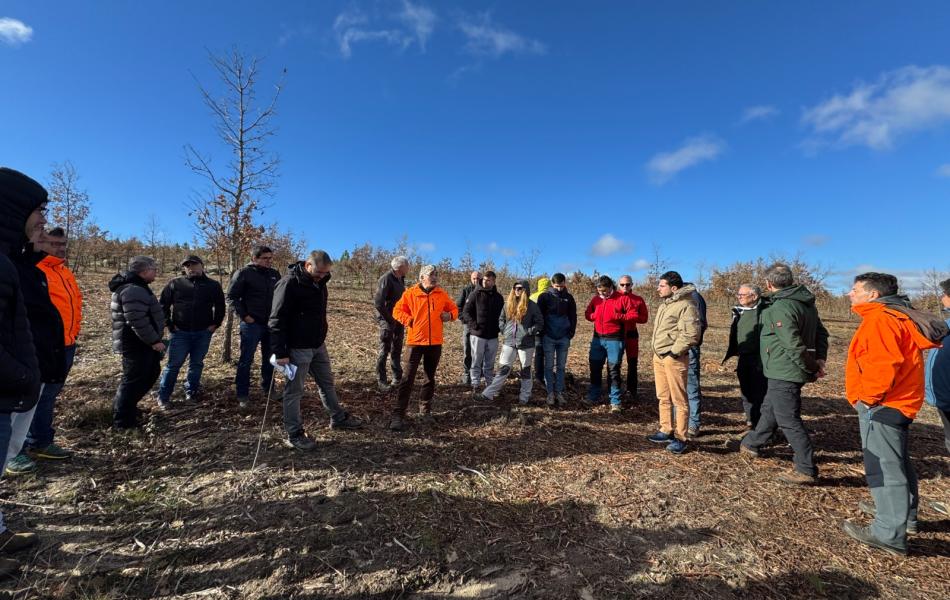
(519, 288)
(626, 285)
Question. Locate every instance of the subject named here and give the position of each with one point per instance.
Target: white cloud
(641, 264)
(420, 19)
(486, 38)
(14, 32)
(353, 26)
(426, 247)
(608, 244)
(943, 170)
(875, 115)
(665, 165)
(496, 248)
(758, 113)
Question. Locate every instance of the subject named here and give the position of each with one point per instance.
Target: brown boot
(796, 478)
(8, 568)
(11, 542)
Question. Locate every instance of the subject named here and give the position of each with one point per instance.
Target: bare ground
(482, 504)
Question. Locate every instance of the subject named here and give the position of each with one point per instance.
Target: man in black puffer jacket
(137, 326)
(298, 331)
(194, 309)
(481, 313)
(22, 202)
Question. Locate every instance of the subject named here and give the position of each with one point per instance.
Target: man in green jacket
(793, 347)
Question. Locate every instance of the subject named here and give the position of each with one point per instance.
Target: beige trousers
(670, 376)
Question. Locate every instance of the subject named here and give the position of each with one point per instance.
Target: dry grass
(568, 504)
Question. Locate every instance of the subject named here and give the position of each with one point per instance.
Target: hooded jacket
(19, 368)
(793, 338)
(482, 311)
(937, 375)
(677, 327)
(65, 294)
(46, 324)
(744, 331)
(543, 284)
(611, 315)
(252, 291)
(298, 318)
(389, 290)
(885, 362)
(192, 303)
(419, 311)
(137, 318)
(464, 295)
(559, 311)
(521, 334)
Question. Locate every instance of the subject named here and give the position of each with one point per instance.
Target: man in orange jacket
(884, 381)
(422, 309)
(66, 297)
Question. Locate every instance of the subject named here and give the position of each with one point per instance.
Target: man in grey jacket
(389, 290)
(137, 326)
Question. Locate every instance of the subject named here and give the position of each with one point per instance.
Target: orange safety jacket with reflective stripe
(420, 313)
(65, 294)
(885, 360)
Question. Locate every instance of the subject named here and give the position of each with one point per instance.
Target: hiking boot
(587, 402)
(615, 409)
(426, 418)
(11, 542)
(868, 509)
(20, 464)
(8, 568)
(864, 535)
(163, 405)
(692, 432)
(561, 400)
(749, 451)
(347, 422)
(397, 423)
(660, 438)
(52, 452)
(244, 403)
(552, 400)
(383, 386)
(301, 442)
(193, 397)
(940, 507)
(676, 447)
(796, 478)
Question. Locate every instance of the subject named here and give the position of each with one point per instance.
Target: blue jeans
(609, 351)
(192, 345)
(560, 348)
(253, 335)
(693, 391)
(41, 430)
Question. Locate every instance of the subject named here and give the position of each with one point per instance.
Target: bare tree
(225, 219)
(529, 260)
(68, 203)
(657, 267)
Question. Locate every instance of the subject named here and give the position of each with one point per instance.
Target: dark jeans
(538, 359)
(192, 345)
(752, 386)
(945, 417)
(694, 392)
(390, 346)
(429, 357)
(610, 351)
(253, 335)
(140, 368)
(41, 430)
(782, 409)
(633, 380)
(466, 350)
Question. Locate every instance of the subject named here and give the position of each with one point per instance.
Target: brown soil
(482, 504)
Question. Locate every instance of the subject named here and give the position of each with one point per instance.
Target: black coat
(389, 290)
(482, 311)
(192, 303)
(298, 318)
(464, 295)
(19, 368)
(46, 323)
(137, 318)
(252, 291)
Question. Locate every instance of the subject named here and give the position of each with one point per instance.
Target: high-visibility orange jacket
(65, 294)
(420, 312)
(885, 360)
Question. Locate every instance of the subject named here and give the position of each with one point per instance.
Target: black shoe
(397, 423)
(301, 442)
(864, 535)
(347, 422)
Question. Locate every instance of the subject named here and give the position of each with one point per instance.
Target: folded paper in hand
(289, 370)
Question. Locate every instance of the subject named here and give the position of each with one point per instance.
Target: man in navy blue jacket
(938, 384)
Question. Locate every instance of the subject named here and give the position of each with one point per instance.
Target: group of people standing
(778, 338)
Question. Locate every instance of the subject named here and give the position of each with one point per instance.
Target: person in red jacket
(631, 338)
(611, 312)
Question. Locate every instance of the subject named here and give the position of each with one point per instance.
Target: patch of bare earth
(485, 503)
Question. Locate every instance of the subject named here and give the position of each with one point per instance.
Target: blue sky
(589, 131)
